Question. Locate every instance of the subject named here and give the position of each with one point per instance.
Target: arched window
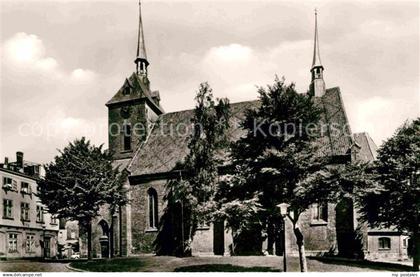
(384, 243)
(127, 136)
(153, 208)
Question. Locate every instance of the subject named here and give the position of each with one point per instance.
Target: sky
(62, 60)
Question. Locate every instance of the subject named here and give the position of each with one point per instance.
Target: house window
(153, 208)
(30, 243)
(127, 136)
(54, 220)
(25, 188)
(9, 183)
(24, 211)
(12, 243)
(7, 208)
(39, 214)
(320, 212)
(384, 243)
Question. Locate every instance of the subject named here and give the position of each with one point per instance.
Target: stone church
(143, 140)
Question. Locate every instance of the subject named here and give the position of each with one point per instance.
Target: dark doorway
(104, 239)
(47, 248)
(218, 238)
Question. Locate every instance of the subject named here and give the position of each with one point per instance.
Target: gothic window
(7, 208)
(127, 136)
(384, 243)
(153, 208)
(320, 212)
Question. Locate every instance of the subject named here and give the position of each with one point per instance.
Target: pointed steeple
(317, 87)
(316, 61)
(141, 58)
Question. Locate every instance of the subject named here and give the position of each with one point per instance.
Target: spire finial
(141, 58)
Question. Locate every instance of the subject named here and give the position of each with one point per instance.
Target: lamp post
(43, 241)
(283, 212)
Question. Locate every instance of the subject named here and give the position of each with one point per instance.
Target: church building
(142, 139)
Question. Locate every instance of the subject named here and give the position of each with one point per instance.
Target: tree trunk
(301, 249)
(416, 251)
(89, 237)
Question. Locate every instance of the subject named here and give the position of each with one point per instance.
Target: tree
(392, 200)
(192, 194)
(79, 181)
(276, 160)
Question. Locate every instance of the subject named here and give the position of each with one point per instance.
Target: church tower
(317, 87)
(134, 108)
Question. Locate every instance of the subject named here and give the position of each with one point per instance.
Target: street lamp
(283, 212)
(43, 241)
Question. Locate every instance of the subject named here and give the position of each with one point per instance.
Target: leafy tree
(191, 197)
(392, 200)
(79, 181)
(276, 160)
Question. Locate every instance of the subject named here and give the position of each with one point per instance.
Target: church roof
(165, 146)
(138, 91)
(368, 149)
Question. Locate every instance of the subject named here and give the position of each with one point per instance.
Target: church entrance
(104, 239)
(219, 238)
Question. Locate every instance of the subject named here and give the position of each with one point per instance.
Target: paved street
(31, 266)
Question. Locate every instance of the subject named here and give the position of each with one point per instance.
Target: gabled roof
(336, 137)
(368, 149)
(165, 147)
(139, 91)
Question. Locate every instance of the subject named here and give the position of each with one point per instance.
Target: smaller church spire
(317, 87)
(316, 61)
(141, 58)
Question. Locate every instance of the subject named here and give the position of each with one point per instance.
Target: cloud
(40, 97)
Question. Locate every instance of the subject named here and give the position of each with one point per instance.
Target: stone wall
(142, 236)
(319, 237)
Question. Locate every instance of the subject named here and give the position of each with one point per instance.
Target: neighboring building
(26, 229)
(379, 243)
(144, 141)
(68, 238)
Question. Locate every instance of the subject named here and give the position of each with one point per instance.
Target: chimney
(6, 163)
(19, 159)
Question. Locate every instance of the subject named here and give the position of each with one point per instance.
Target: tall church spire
(141, 59)
(317, 87)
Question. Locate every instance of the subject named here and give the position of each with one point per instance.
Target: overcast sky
(62, 60)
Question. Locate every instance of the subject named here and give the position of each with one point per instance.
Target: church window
(127, 136)
(320, 212)
(384, 243)
(153, 208)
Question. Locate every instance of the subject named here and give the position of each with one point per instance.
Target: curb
(68, 266)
